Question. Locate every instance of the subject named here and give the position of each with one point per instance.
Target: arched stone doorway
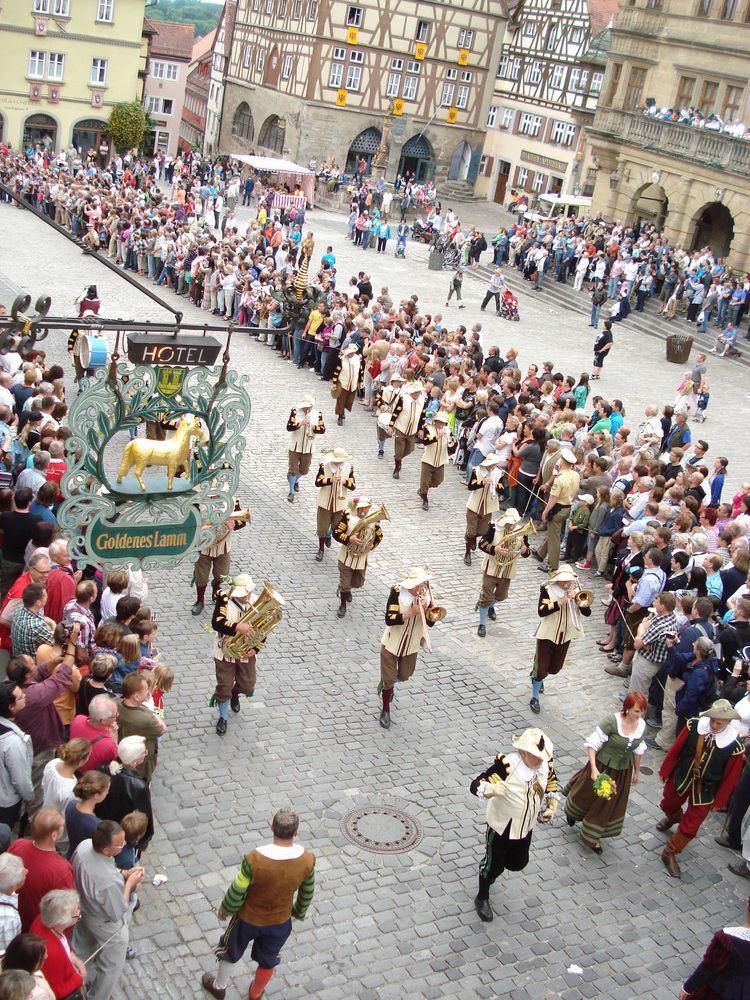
(650, 205)
(714, 228)
(40, 129)
(272, 133)
(364, 147)
(460, 162)
(243, 126)
(89, 134)
(417, 158)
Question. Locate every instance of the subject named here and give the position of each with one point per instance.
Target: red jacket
(61, 588)
(57, 968)
(14, 594)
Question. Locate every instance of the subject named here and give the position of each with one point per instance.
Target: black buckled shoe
(482, 630)
(197, 608)
(234, 701)
(221, 727)
(535, 706)
(492, 615)
(385, 720)
(483, 908)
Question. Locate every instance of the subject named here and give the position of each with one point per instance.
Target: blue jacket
(698, 676)
(613, 521)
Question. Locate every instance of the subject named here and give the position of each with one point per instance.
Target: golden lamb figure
(173, 453)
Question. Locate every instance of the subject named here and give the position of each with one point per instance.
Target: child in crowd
(163, 681)
(713, 565)
(577, 527)
(146, 629)
(596, 519)
(134, 826)
(128, 657)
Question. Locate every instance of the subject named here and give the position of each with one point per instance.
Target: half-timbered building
(313, 80)
(548, 81)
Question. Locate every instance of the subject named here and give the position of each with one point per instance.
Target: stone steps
(564, 297)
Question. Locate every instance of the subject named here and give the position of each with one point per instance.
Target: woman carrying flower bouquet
(597, 796)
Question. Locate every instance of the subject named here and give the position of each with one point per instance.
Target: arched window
(242, 123)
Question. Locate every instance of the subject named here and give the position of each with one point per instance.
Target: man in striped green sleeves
(260, 903)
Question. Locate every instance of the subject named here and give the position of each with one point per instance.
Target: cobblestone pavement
(392, 926)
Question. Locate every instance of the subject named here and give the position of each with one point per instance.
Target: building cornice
(69, 36)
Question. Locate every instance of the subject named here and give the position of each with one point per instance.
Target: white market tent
(285, 169)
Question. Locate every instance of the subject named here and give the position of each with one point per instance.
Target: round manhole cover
(381, 829)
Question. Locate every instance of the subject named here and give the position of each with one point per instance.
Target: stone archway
(40, 129)
(417, 159)
(460, 162)
(272, 133)
(649, 204)
(243, 126)
(364, 147)
(713, 226)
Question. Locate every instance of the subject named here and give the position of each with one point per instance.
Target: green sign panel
(114, 541)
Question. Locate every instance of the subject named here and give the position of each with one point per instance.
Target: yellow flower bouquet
(605, 787)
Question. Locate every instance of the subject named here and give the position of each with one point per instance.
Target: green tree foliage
(205, 16)
(127, 124)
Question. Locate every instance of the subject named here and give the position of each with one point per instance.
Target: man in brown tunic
(261, 903)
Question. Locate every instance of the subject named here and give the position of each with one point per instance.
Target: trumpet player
(233, 676)
(482, 502)
(502, 545)
(385, 401)
(409, 613)
(214, 561)
(439, 444)
(334, 480)
(407, 421)
(348, 377)
(357, 538)
(562, 607)
(302, 430)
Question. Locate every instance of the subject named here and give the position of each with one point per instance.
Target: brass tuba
(362, 526)
(263, 616)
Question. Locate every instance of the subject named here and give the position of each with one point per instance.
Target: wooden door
(502, 182)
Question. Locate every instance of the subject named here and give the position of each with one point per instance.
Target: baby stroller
(400, 249)
(509, 305)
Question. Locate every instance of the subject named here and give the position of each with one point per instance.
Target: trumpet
(584, 598)
(241, 517)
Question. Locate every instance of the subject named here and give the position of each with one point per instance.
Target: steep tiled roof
(601, 13)
(203, 45)
(173, 39)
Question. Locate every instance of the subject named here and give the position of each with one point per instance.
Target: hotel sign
(147, 349)
(544, 161)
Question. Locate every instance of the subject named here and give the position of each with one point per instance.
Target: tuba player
(233, 676)
(357, 542)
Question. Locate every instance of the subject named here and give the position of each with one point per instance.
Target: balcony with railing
(683, 142)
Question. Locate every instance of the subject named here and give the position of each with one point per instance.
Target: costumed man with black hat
(302, 430)
(407, 421)
(235, 675)
(357, 540)
(483, 501)
(385, 401)
(348, 377)
(562, 603)
(502, 548)
(335, 477)
(702, 768)
(562, 492)
(214, 561)
(439, 443)
(409, 613)
(515, 786)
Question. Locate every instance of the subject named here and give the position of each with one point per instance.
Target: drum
(93, 351)
(384, 421)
